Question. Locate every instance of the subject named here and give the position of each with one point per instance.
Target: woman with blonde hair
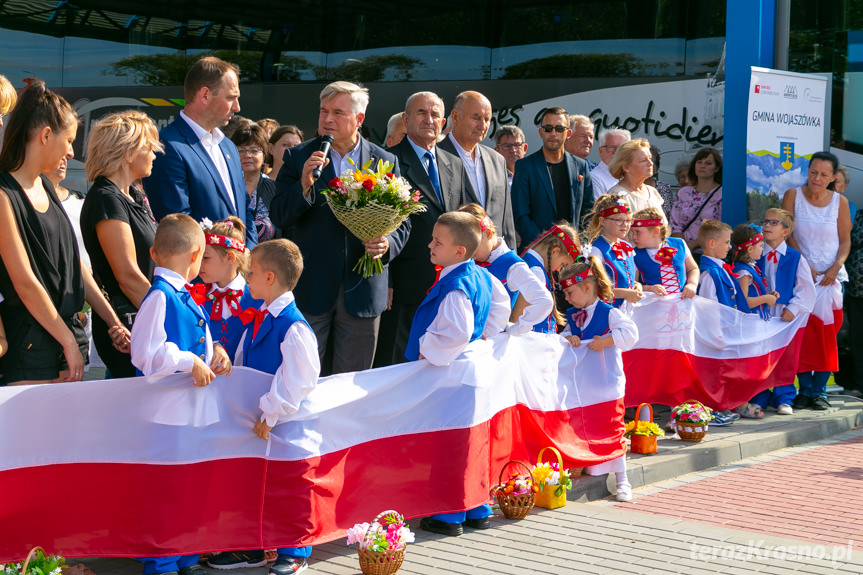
(116, 222)
(633, 165)
(8, 97)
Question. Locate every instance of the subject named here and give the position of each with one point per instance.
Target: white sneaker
(624, 492)
(784, 409)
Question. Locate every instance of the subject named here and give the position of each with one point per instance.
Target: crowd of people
(204, 249)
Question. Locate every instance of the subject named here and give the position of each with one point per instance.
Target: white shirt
(341, 165)
(211, 141)
(803, 298)
(706, 287)
(450, 331)
(520, 278)
(151, 351)
(300, 368)
(474, 169)
(602, 180)
(237, 284)
(624, 332)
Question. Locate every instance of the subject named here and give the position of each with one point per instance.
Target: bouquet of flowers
(381, 543)
(690, 419)
(371, 203)
(517, 495)
(550, 474)
(37, 563)
(638, 427)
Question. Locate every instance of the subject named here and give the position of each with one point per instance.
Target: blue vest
(228, 332)
(728, 290)
(500, 267)
(786, 273)
(621, 272)
(263, 351)
(473, 282)
(598, 325)
(756, 288)
(185, 322)
(649, 268)
(548, 325)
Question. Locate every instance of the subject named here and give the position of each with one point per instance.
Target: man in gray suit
(486, 169)
(442, 182)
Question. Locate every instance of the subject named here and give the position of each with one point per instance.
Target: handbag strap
(698, 213)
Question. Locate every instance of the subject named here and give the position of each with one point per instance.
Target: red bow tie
(621, 250)
(773, 257)
(666, 254)
(437, 270)
(580, 317)
(231, 296)
(250, 314)
(729, 269)
(198, 292)
(484, 264)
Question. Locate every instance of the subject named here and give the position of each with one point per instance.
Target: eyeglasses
(511, 147)
(773, 223)
(250, 151)
(548, 128)
(621, 222)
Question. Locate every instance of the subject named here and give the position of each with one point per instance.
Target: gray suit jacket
(498, 202)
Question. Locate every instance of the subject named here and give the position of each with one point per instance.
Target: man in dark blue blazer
(200, 173)
(334, 299)
(551, 184)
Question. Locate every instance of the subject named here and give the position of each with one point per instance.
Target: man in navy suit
(413, 273)
(551, 184)
(335, 300)
(200, 173)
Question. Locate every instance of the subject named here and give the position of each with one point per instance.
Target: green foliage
(578, 66)
(757, 204)
(170, 69)
(40, 564)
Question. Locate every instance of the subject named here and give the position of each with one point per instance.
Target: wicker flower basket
(643, 443)
(381, 562)
(514, 506)
(691, 431)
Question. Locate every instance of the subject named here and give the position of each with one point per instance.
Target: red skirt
(820, 352)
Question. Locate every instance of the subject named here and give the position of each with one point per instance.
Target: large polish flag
(156, 466)
(698, 349)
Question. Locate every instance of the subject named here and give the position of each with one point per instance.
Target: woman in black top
(251, 142)
(41, 277)
(116, 222)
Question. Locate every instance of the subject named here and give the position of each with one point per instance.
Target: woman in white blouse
(633, 165)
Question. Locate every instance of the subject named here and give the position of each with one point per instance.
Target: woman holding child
(41, 276)
(823, 235)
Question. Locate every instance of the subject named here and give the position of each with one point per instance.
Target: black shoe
(483, 523)
(820, 404)
(437, 526)
(237, 559)
(194, 569)
(802, 402)
(286, 565)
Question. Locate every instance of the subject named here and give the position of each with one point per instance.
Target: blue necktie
(432, 171)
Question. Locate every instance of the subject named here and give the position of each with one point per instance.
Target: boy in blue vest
(465, 304)
(278, 341)
(170, 334)
(719, 282)
(786, 272)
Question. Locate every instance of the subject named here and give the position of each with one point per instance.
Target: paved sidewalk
(651, 535)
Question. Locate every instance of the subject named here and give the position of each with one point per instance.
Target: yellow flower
(643, 428)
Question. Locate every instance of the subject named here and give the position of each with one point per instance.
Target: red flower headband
(749, 243)
(652, 223)
(620, 208)
(568, 242)
(577, 278)
(485, 224)
(225, 241)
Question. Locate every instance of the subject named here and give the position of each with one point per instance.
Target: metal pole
(782, 34)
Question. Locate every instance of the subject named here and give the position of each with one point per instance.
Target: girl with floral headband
(609, 223)
(665, 265)
(748, 247)
(531, 301)
(607, 330)
(547, 254)
(224, 294)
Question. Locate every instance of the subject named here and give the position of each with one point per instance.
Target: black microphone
(326, 142)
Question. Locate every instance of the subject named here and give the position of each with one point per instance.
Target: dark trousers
(353, 338)
(394, 332)
(853, 310)
(119, 364)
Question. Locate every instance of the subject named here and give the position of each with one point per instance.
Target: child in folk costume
(279, 341)
(595, 322)
(665, 265)
(789, 275)
(170, 334)
(223, 271)
(465, 304)
(552, 250)
(531, 301)
(718, 280)
(609, 223)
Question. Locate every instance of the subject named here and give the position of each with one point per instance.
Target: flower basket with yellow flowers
(642, 432)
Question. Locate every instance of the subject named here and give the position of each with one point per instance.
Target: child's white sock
(624, 488)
